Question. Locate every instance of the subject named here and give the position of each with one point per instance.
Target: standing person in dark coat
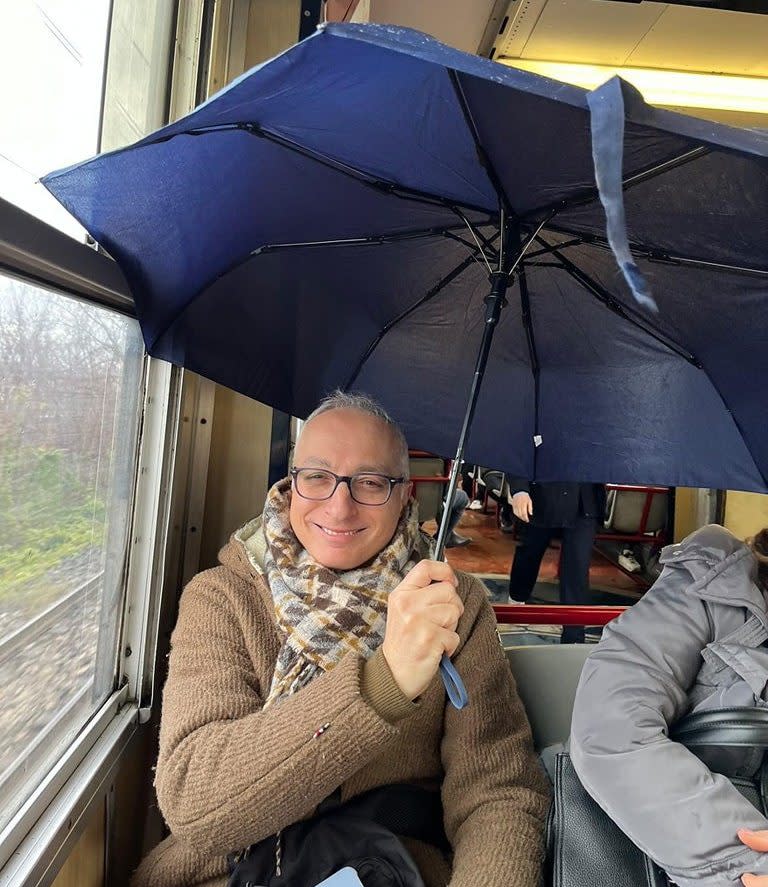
(544, 509)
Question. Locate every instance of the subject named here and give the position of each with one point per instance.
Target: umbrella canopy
(331, 218)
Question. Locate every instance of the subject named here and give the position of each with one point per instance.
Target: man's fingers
(428, 571)
(436, 593)
(754, 880)
(756, 841)
(529, 507)
(445, 615)
(450, 641)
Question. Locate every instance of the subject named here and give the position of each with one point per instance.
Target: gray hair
(362, 403)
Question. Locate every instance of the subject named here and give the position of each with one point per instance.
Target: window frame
(37, 839)
(39, 254)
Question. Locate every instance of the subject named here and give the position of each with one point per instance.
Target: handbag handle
(739, 727)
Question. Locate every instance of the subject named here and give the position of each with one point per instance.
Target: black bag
(585, 846)
(362, 833)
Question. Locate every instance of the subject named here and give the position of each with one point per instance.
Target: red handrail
(554, 614)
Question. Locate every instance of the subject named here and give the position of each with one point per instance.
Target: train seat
(546, 677)
(429, 494)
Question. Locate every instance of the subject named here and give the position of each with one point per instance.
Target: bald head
(361, 403)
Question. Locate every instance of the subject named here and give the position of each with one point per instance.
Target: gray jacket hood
(721, 567)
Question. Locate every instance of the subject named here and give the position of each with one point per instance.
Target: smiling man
(351, 474)
(304, 671)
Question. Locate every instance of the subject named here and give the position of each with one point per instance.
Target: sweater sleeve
(495, 793)
(229, 773)
(659, 793)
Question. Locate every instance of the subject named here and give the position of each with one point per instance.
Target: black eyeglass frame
(347, 479)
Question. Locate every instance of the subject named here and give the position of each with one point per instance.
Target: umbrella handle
(454, 686)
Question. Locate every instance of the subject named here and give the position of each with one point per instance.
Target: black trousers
(574, 570)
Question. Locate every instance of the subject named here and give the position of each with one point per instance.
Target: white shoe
(475, 505)
(629, 562)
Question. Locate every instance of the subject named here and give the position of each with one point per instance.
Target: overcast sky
(51, 70)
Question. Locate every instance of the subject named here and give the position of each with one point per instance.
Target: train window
(88, 422)
(136, 90)
(69, 407)
(52, 64)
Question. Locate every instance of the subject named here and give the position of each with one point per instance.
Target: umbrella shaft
(494, 302)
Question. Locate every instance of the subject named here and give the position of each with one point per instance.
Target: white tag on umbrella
(537, 440)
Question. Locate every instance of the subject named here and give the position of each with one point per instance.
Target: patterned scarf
(323, 614)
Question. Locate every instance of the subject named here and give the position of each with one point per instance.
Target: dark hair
(759, 546)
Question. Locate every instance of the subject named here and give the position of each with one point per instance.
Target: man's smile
(337, 533)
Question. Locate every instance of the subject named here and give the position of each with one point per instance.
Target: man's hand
(522, 506)
(755, 841)
(422, 615)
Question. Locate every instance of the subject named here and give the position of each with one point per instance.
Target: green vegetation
(47, 513)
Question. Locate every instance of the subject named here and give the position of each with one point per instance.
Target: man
(306, 665)
(544, 509)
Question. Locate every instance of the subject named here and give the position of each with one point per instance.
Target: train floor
(489, 556)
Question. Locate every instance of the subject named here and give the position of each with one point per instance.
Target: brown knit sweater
(230, 774)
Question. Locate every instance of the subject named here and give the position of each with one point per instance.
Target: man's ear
(407, 495)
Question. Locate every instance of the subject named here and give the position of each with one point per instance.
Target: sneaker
(507, 528)
(515, 601)
(456, 541)
(629, 562)
(475, 505)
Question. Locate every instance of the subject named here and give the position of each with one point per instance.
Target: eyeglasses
(365, 489)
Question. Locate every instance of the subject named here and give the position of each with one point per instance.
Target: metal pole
(494, 302)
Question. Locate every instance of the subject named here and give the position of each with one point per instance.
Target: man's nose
(341, 501)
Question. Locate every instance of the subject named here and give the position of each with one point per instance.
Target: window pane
(52, 68)
(69, 404)
(136, 96)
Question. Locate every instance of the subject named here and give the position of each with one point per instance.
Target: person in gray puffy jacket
(698, 640)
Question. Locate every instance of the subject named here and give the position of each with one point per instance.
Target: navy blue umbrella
(352, 214)
(333, 218)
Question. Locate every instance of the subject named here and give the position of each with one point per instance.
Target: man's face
(339, 532)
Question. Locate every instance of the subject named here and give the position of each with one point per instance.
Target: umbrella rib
(484, 243)
(439, 286)
(470, 246)
(701, 263)
(656, 255)
(373, 239)
(474, 248)
(660, 168)
(277, 247)
(577, 241)
(401, 191)
(624, 311)
(479, 245)
(482, 154)
(592, 194)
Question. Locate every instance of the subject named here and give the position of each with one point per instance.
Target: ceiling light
(660, 87)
